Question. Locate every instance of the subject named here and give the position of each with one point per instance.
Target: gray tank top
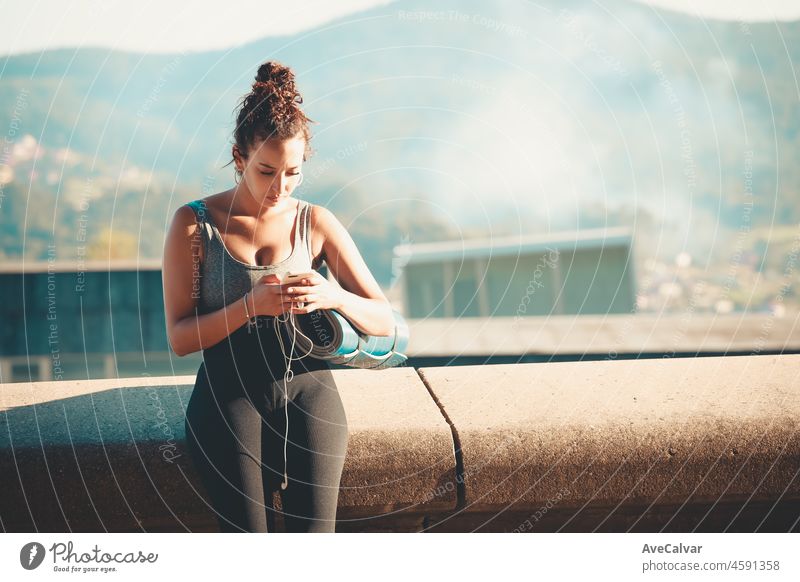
(224, 278)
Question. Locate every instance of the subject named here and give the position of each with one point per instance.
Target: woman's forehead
(279, 152)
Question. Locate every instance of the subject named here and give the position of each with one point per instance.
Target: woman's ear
(237, 156)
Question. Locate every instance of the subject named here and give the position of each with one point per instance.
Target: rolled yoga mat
(332, 337)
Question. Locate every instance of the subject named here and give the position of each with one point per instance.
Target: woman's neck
(241, 202)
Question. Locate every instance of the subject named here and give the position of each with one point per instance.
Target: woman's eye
(273, 173)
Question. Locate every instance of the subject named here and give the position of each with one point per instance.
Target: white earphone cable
(288, 376)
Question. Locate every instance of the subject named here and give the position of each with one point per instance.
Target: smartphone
(293, 279)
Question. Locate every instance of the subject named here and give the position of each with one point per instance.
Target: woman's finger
(297, 289)
(305, 299)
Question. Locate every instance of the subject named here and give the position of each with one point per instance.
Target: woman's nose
(282, 182)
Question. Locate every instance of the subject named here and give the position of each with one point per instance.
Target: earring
(237, 176)
(300, 181)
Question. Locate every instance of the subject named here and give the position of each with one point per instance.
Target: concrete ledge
(707, 444)
(109, 455)
(574, 437)
(400, 447)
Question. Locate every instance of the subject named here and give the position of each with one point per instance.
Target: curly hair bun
(272, 108)
(276, 79)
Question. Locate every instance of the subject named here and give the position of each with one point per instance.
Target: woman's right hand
(265, 298)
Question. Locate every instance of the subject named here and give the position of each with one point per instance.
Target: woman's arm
(361, 299)
(180, 272)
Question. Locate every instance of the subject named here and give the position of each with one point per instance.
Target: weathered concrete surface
(400, 447)
(110, 455)
(649, 432)
(707, 444)
(95, 455)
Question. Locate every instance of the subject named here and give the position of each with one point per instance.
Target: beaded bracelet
(250, 320)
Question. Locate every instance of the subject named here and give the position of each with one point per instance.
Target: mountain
(470, 119)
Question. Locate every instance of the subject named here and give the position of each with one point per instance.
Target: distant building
(98, 320)
(84, 321)
(580, 272)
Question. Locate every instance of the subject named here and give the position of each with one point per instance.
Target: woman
(250, 425)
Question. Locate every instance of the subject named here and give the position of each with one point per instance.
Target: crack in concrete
(461, 488)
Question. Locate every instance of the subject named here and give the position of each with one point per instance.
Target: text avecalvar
(671, 549)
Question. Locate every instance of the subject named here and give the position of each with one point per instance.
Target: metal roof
(39, 266)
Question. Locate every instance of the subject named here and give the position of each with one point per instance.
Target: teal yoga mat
(332, 337)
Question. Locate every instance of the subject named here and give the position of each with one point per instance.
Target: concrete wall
(706, 444)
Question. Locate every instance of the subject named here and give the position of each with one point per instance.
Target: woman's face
(272, 170)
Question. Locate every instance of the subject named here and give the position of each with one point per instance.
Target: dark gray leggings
(235, 423)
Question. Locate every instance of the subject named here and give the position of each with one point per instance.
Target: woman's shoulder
(207, 207)
(190, 215)
(214, 201)
(320, 216)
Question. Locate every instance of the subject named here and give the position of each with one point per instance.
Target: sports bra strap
(306, 231)
(203, 221)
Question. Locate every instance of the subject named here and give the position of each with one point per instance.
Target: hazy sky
(173, 25)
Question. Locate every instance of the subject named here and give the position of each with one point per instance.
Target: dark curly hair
(271, 110)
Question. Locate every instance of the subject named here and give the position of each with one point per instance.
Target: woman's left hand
(315, 292)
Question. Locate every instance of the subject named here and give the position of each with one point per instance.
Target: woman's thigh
(224, 436)
(317, 445)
